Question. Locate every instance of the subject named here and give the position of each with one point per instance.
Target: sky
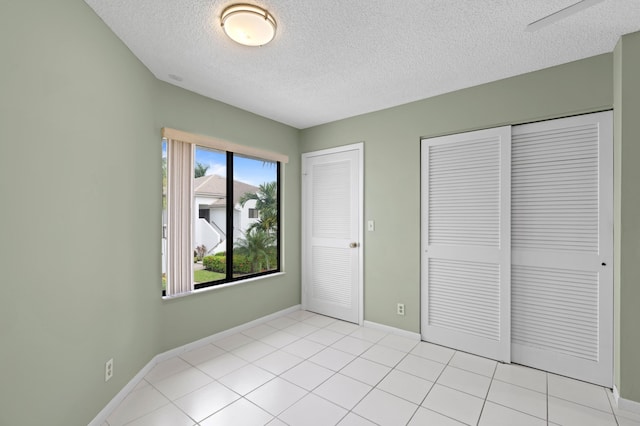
(247, 170)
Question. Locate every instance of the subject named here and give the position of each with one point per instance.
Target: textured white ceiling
(336, 59)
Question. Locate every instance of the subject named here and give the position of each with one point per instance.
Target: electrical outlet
(108, 370)
(400, 309)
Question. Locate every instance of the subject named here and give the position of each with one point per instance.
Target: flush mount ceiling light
(249, 25)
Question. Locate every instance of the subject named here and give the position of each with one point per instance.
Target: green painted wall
(617, 186)
(392, 163)
(80, 185)
(627, 214)
(78, 264)
(80, 230)
(187, 319)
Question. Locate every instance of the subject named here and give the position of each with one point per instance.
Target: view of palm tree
(259, 248)
(259, 243)
(200, 170)
(267, 205)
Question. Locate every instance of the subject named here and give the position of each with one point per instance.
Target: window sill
(225, 285)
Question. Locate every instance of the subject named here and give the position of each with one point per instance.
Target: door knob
(353, 245)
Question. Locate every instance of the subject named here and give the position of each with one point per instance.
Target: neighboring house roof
(216, 186)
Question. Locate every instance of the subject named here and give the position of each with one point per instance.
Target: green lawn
(204, 276)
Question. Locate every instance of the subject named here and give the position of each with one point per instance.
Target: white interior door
(465, 283)
(332, 222)
(562, 246)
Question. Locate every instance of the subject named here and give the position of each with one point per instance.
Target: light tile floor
(308, 369)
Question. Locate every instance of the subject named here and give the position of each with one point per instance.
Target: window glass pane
(164, 215)
(235, 234)
(210, 221)
(255, 186)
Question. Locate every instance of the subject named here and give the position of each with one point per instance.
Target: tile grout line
(372, 386)
(375, 386)
(434, 384)
(324, 346)
(613, 411)
(484, 402)
(275, 375)
(521, 387)
(309, 392)
(215, 380)
(386, 375)
(546, 378)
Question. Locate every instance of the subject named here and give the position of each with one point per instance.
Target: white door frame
(359, 147)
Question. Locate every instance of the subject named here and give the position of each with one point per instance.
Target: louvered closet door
(562, 246)
(465, 242)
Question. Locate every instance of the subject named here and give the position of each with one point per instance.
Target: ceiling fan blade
(561, 14)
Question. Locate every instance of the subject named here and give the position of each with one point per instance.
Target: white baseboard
(221, 335)
(393, 330)
(120, 396)
(625, 404)
(629, 405)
